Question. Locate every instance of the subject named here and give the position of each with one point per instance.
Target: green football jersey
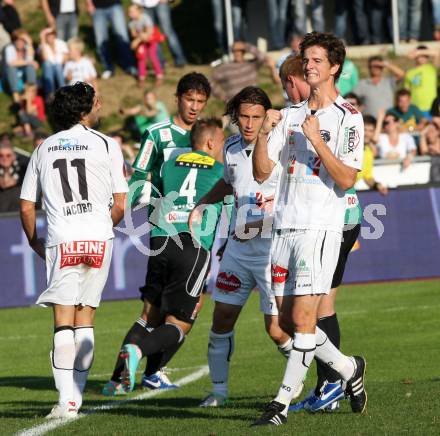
(185, 180)
(160, 142)
(353, 210)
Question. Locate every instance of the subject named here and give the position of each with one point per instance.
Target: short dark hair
(375, 58)
(292, 66)
(70, 104)
(193, 82)
(250, 94)
(334, 46)
(370, 120)
(200, 127)
(402, 92)
(393, 115)
(353, 96)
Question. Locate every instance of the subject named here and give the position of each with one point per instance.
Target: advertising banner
(400, 239)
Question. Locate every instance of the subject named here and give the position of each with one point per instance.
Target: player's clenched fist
(310, 128)
(272, 118)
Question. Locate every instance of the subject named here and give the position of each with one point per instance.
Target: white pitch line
(56, 423)
(36, 380)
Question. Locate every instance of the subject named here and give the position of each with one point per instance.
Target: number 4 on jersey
(188, 188)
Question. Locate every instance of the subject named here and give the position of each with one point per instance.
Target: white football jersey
(252, 201)
(77, 171)
(307, 197)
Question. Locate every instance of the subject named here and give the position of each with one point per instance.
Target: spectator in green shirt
(410, 116)
(143, 116)
(349, 77)
(421, 80)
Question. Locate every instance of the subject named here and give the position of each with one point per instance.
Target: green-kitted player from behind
(167, 139)
(177, 271)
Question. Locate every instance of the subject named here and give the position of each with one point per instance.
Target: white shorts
(237, 277)
(304, 261)
(76, 273)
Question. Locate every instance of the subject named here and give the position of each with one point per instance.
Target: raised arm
(262, 165)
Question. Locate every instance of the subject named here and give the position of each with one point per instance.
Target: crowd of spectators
(403, 106)
(359, 22)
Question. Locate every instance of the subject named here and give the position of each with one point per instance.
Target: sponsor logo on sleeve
(351, 201)
(145, 154)
(90, 253)
(349, 107)
(228, 282)
(279, 274)
(351, 140)
(165, 135)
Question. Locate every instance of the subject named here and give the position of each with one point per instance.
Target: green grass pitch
(394, 325)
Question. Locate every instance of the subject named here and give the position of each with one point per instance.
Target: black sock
(161, 338)
(159, 360)
(330, 326)
(133, 336)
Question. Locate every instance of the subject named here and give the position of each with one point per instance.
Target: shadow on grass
(43, 383)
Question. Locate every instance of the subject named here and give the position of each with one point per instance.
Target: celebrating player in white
(319, 144)
(79, 174)
(246, 262)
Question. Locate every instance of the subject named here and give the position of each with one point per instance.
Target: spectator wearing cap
(409, 115)
(19, 60)
(230, 78)
(62, 15)
(421, 80)
(377, 91)
(11, 176)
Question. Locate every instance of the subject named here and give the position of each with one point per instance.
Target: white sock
(297, 366)
(62, 360)
(286, 348)
(84, 346)
(330, 355)
(220, 349)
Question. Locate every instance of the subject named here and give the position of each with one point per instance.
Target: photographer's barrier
(400, 239)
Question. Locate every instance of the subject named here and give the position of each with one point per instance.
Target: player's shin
(62, 360)
(161, 338)
(137, 331)
(330, 355)
(84, 346)
(286, 348)
(159, 360)
(297, 366)
(330, 326)
(220, 349)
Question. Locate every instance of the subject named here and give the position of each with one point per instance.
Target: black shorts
(349, 238)
(176, 276)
